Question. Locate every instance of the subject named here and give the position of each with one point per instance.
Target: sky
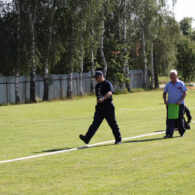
(184, 8)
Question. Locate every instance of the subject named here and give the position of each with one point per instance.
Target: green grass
(148, 165)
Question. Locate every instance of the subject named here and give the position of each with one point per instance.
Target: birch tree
(32, 11)
(126, 83)
(106, 10)
(17, 76)
(94, 31)
(46, 24)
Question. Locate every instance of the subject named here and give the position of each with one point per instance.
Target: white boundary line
(193, 121)
(140, 109)
(147, 109)
(73, 149)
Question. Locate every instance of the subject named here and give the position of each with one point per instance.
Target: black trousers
(172, 123)
(106, 111)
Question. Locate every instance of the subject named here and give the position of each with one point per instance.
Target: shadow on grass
(103, 145)
(148, 140)
(61, 149)
(54, 150)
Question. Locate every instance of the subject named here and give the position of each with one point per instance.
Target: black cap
(97, 73)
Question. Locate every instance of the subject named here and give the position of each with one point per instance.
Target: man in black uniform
(104, 109)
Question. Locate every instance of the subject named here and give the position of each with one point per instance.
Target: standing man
(104, 109)
(176, 94)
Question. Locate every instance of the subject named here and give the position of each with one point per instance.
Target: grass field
(148, 165)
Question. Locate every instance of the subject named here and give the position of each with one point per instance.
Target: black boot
(83, 138)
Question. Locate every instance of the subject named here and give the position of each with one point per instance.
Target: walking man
(176, 94)
(104, 109)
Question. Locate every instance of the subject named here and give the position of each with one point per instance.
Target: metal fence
(58, 85)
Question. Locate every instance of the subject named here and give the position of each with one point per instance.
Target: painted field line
(193, 121)
(78, 148)
(140, 109)
(147, 109)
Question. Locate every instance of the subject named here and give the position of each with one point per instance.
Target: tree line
(66, 36)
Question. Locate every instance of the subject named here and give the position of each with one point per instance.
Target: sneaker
(82, 137)
(167, 136)
(187, 126)
(118, 142)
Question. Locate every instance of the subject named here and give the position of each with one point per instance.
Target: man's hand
(182, 98)
(108, 95)
(178, 102)
(166, 102)
(101, 100)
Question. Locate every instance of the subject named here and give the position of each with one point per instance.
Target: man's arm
(107, 96)
(164, 98)
(182, 97)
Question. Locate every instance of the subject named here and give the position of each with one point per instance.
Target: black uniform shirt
(102, 89)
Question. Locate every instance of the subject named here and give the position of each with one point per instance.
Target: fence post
(85, 85)
(6, 83)
(77, 90)
(25, 90)
(61, 95)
